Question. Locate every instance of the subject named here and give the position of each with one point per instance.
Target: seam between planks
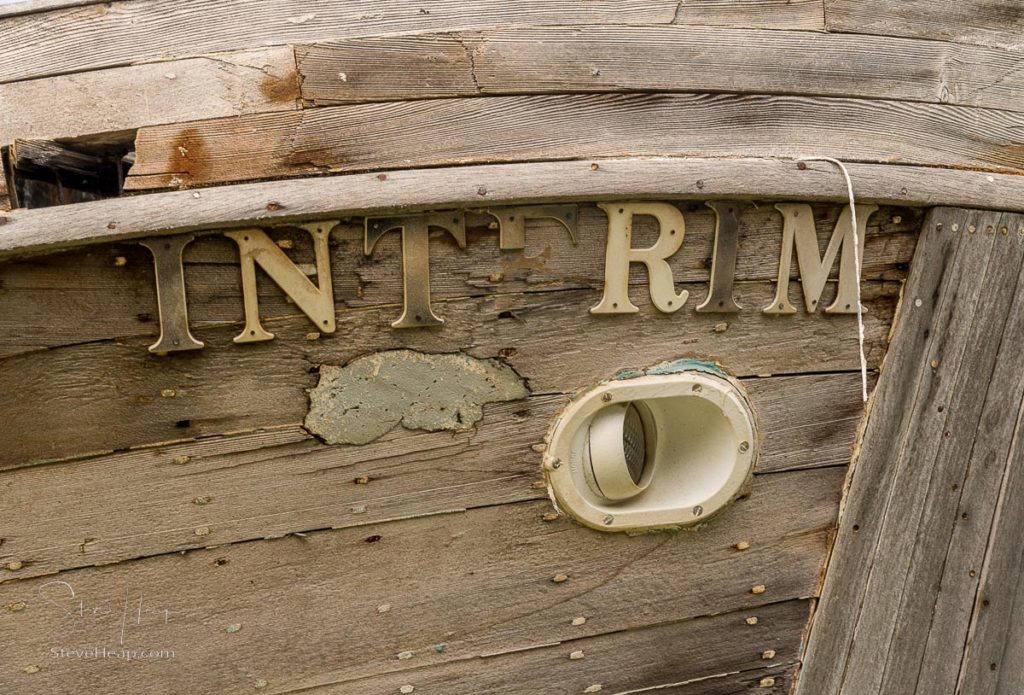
(484, 656)
(303, 532)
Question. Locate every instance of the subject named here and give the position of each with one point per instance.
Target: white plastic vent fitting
(653, 451)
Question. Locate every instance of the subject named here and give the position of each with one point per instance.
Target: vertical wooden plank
(994, 660)
(962, 486)
(5, 199)
(940, 408)
(954, 378)
(891, 416)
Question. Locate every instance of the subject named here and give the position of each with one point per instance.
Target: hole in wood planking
(45, 173)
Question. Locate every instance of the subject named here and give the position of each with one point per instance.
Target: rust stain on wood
(187, 157)
(280, 90)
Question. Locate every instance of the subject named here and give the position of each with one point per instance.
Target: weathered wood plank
(892, 412)
(995, 635)
(114, 286)
(895, 551)
(808, 421)
(890, 558)
(102, 396)
(766, 14)
(897, 612)
(447, 132)
(376, 69)
(729, 661)
(5, 198)
(373, 599)
(997, 23)
(9, 8)
(38, 231)
(127, 98)
(624, 58)
(254, 485)
(963, 486)
(119, 33)
(772, 680)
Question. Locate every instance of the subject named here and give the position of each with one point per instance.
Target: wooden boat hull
(284, 344)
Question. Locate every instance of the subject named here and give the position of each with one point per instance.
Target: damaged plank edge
(95, 105)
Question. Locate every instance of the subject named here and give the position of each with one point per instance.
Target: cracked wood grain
(126, 98)
(525, 60)
(646, 660)
(501, 559)
(259, 484)
(996, 23)
(104, 395)
(10, 8)
(119, 33)
(448, 132)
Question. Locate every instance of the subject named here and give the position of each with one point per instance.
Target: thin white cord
(856, 257)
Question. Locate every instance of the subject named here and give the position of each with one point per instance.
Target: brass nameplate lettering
(316, 300)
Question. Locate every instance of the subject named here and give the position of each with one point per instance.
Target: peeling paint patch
(672, 367)
(366, 398)
(683, 365)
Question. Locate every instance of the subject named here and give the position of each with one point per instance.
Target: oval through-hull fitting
(654, 451)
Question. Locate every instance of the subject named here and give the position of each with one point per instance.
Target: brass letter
(512, 222)
(619, 254)
(723, 260)
(170, 294)
(799, 225)
(415, 229)
(317, 303)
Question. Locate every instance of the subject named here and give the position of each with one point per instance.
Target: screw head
(698, 510)
(608, 520)
(744, 447)
(557, 463)
(606, 397)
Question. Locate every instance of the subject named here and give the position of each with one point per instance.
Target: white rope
(856, 257)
